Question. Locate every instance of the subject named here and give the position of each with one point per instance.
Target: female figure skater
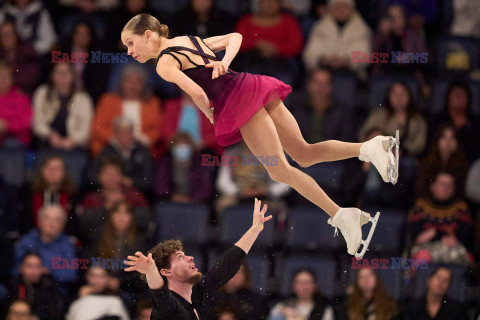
(251, 107)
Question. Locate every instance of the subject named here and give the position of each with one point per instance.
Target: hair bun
(164, 30)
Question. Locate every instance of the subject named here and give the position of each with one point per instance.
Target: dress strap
(199, 48)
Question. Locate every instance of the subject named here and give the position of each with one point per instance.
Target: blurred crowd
(93, 154)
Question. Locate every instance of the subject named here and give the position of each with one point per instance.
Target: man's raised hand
(140, 263)
(259, 215)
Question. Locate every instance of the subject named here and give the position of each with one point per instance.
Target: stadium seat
(236, 220)
(389, 233)
(184, 221)
(260, 272)
(324, 268)
(307, 228)
(448, 44)
(457, 285)
(327, 174)
(12, 166)
(75, 163)
(378, 87)
(440, 87)
(345, 89)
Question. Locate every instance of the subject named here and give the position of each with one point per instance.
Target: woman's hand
(219, 68)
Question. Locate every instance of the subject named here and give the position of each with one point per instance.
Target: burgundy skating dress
(235, 97)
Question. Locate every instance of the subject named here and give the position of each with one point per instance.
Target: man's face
(320, 84)
(19, 310)
(182, 269)
(124, 135)
(443, 188)
(342, 11)
(52, 222)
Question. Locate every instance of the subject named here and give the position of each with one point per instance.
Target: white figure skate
(379, 151)
(350, 222)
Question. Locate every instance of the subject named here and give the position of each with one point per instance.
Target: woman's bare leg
(306, 154)
(261, 137)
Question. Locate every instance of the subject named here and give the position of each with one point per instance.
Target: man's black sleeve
(164, 304)
(223, 270)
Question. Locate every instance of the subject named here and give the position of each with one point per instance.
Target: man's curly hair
(162, 252)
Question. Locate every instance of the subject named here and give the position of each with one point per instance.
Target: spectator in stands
(181, 114)
(362, 186)
(440, 225)
(38, 288)
(51, 186)
(21, 57)
(9, 220)
(33, 23)
(112, 188)
(89, 77)
(118, 239)
(398, 112)
(446, 154)
(457, 112)
(201, 18)
(136, 160)
(144, 309)
(242, 177)
(319, 115)
(435, 304)
(89, 6)
(299, 8)
(20, 310)
(181, 176)
(228, 312)
(15, 111)
(63, 115)
(333, 38)
(466, 21)
(96, 298)
(50, 243)
(472, 190)
(132, 101)
(368, 299)
(307, 302)
(421, 15)
(271, 39)
(394, 34)
(237, 293)
(120, 16)
(472, 187)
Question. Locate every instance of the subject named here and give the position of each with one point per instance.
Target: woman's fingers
(134, 258)
(267, 218)
(130, 269)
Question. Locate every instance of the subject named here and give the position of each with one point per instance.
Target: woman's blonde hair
(143, 22)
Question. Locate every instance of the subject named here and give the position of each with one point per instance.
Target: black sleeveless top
(200, 74)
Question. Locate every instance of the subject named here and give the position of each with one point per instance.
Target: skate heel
(366, 242)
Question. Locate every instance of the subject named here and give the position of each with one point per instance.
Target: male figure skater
(178, 289)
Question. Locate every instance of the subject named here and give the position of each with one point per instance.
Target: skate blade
(366, 242)
(394, 158)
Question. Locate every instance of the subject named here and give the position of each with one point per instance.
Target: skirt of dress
(244, 96)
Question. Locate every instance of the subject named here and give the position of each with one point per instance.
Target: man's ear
(165, 272)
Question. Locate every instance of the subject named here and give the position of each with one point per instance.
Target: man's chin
(195, 279)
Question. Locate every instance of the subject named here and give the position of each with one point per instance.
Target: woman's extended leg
(306, 154)
(261, 137)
